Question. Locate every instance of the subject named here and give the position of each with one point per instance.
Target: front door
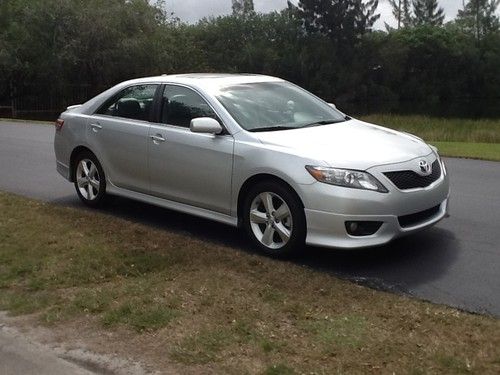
(189, 167)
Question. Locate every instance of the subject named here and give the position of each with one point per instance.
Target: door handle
(95, 127)
(157, 138)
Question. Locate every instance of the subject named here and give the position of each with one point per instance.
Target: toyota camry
(256, 152)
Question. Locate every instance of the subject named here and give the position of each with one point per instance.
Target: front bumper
(328, 229)
(327, 208)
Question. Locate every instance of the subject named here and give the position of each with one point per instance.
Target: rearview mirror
(206, 125)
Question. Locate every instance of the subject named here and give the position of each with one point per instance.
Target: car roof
(208, 81)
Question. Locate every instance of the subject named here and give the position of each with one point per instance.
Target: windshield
(275, 106)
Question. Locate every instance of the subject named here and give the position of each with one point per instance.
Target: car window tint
(180, 105)
(133, 102)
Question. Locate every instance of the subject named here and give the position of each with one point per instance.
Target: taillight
(59, 124)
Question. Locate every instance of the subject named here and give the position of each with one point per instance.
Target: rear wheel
(90, 183)
(274, 219)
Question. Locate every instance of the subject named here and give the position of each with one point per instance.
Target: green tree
(343, 21)
(96, 42)
(401, 9)
(428, 12)
(479, 17)
(242, 7)
(326, 46)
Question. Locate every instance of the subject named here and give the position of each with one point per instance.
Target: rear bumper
(63, 170)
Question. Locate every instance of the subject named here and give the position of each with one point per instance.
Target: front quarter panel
(252, 158)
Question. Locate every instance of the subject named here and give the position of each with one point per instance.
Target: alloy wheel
(271, 220)
(88, 179)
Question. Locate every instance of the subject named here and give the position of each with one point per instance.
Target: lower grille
(417, 218)
(405, 180)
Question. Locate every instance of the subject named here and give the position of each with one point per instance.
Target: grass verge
(485, 151)
(221, 308)
(442, 129)
(475, 139)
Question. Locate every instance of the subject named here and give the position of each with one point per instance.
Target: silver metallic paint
(202, 174)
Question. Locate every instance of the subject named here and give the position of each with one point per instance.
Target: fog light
(362, 228)
(353, 226)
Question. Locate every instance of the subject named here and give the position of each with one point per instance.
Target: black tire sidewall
(101, 195)
(297, 239)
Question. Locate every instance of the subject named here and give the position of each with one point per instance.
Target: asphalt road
(18, 355)
(457, 262)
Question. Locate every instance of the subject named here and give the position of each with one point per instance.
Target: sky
(192, 10)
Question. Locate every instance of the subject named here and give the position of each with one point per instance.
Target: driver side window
(180, 105)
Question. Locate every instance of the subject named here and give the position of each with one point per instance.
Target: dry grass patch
(211, 309)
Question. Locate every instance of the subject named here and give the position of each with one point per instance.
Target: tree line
(327, 46)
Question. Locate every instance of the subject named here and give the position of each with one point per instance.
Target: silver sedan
(252, 151)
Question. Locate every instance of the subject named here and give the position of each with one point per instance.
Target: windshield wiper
(315, 123)
(271, 128)
(323, 122)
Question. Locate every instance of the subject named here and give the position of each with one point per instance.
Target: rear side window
(180, 105)
(134, 102)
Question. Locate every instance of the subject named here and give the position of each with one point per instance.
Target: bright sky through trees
(193, 10)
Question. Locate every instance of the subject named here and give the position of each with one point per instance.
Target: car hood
(351, 144)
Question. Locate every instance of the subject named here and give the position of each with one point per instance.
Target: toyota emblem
(425, 167)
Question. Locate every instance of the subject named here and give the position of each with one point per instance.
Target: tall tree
(242, 7)
(428, 12)
(479, 17)
(343, 21)
(401, 9)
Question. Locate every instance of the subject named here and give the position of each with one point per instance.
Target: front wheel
(90, 183)
(274, 219)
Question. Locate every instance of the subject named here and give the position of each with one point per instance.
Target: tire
(89, 179)
(274, 219)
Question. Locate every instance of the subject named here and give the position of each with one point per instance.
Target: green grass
(198, 304)
(139, 315)
(347, 331)
(476, 139)
(486, 151)
(279, 369)
(442, 129)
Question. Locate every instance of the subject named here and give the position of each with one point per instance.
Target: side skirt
(165, 203)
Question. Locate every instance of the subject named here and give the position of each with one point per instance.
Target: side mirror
(206, 125)
(332, 105)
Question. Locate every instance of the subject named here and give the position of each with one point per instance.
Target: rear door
(118, 134)
(189, 167)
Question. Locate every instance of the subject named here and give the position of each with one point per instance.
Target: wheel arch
(72, 159)
(254, 180)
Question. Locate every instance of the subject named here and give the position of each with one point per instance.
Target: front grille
(405, 180)
(420, 217)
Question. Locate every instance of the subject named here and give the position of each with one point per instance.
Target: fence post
(13, 100)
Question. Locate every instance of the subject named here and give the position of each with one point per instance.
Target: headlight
(347, 178)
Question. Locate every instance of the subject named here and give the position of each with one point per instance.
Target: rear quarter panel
(72, 135)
